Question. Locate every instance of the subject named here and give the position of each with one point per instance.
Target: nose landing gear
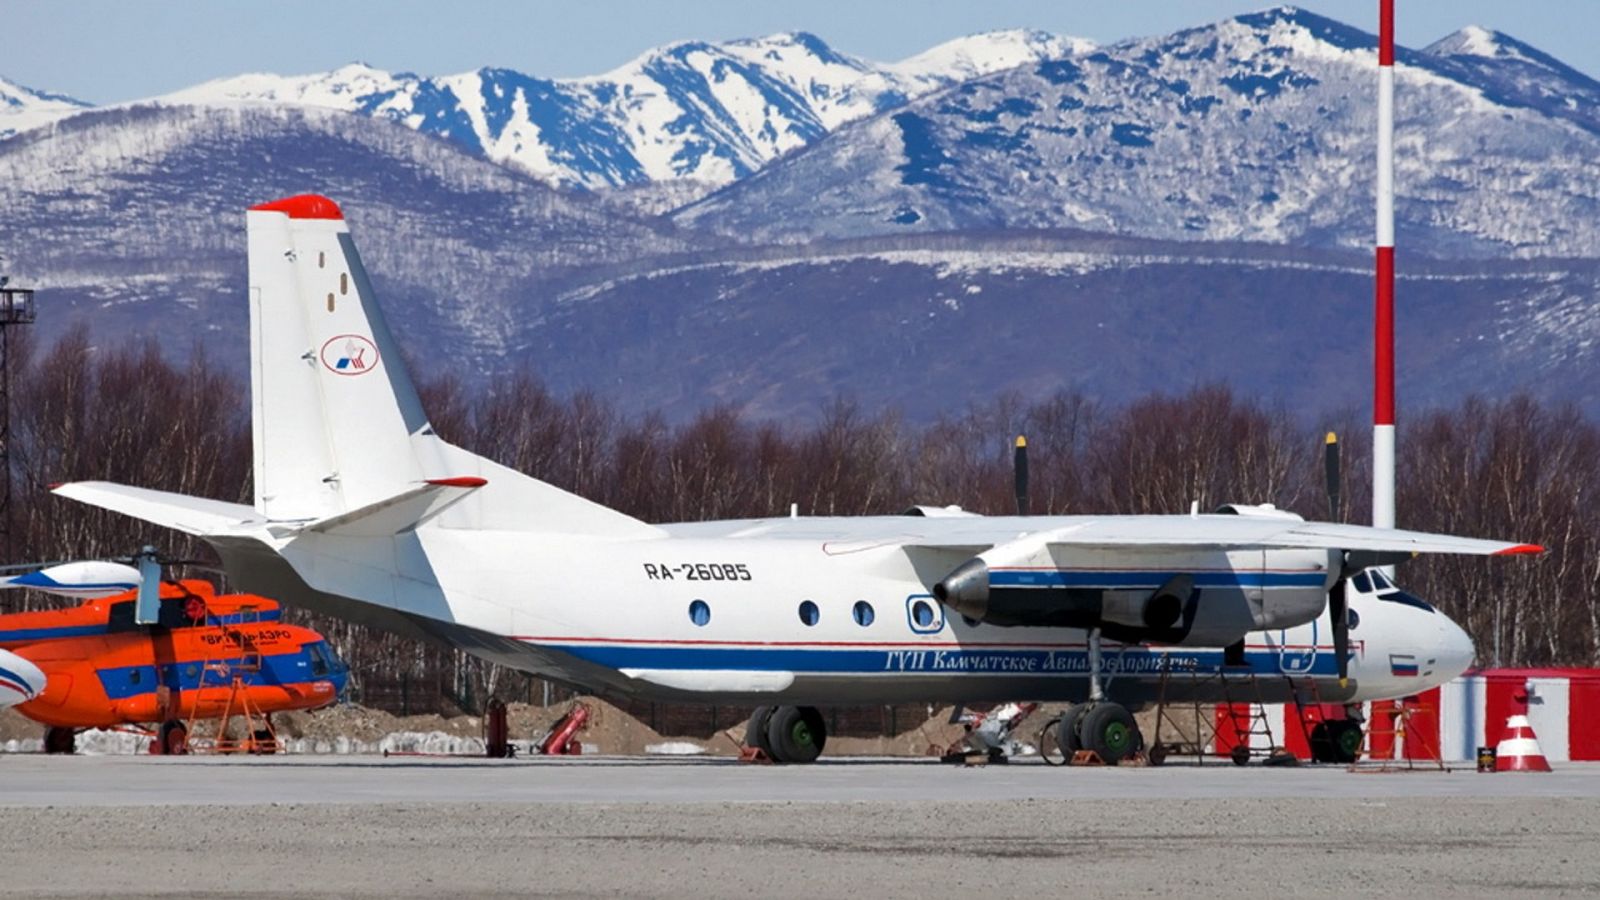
(787, 734)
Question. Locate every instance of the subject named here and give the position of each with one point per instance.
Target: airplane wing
(1227, 532)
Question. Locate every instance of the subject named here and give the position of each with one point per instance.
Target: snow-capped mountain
(1063, 224)
(708, 113)
(1257, 128)
(22, 108)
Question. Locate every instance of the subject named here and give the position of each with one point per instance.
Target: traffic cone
(1519, 749)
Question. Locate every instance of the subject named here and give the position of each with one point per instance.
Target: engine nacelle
(1032, 590)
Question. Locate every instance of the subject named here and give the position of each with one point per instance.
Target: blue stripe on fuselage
(911, 659)
(1076, 579)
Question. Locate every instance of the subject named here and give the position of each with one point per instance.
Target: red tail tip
(303, 206)
(463, 481)
(1520, 549)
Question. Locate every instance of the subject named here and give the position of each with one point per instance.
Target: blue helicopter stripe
(20, 635)
(23, 635)
(911, 660)
(1056, 578)
(121, 682)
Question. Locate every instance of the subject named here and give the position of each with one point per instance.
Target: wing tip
(462, 481)
(1519, 550)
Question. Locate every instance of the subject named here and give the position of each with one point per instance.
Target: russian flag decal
(1402, 666)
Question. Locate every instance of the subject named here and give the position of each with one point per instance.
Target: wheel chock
(1086, 758)
(754, 755)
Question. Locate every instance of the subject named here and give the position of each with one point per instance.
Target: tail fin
(337, 423)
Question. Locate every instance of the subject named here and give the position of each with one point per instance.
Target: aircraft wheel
(796, 734)
(1067, 732)
(1240, 754)
(755, 733)
(60, 740)
(1321, 743)
(1346, 740)
(174, 738)
(1109, 730)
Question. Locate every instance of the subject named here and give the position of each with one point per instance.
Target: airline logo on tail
(349, 354)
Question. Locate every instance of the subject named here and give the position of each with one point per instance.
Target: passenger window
(862, 613)
(924, 616)
(699, 612)
(809, 613)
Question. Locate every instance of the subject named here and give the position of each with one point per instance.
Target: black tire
(1067, 733)
(60, 740)
(1110, 731)
(1321, 743)
(755, 732)
(1157, 755)
(1050, 744)
(1347, 740)
(796, 734)
(174, 738)
(1240, 754)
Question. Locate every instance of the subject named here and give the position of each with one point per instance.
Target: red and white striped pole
(1383, 356)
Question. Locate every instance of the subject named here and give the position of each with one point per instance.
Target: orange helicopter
(204, 656)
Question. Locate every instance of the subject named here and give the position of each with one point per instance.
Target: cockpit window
(1408, 599)
(1363, 585)
(319, 659)
(1381, 581)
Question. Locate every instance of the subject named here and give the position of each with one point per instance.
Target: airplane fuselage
(835, 611)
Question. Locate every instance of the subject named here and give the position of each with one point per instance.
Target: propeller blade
(1019, 473)
(1330, 473)
(1338, 611)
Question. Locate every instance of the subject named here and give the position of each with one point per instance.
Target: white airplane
(20, 680)
(362, 512)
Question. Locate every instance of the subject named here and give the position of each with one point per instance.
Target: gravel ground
(1204, 832)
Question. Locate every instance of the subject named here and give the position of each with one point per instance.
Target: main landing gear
(1105, 728)
(787, 734)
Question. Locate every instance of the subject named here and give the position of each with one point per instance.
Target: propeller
(1019, 474)
(97, 578)
(1337, 607)
(1330, 474)
(1351, 562)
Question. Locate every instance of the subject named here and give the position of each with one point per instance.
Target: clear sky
(106, 51)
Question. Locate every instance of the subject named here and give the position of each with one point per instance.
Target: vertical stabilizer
(339, 431)
(334, 409)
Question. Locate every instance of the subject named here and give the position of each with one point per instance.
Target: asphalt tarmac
(607, 827)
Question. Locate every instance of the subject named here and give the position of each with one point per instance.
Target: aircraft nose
(1453, 650)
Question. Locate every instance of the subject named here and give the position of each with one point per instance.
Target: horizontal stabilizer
(193, 515)
(401, 512)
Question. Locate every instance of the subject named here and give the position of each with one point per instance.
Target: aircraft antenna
(1383, 356)
(16, 308)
